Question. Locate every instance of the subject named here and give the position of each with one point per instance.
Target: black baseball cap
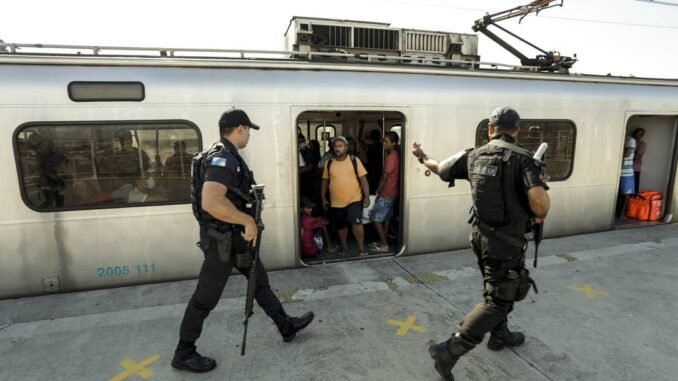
(234, 118)
(505, 117)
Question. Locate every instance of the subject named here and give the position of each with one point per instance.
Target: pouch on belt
(224, 241)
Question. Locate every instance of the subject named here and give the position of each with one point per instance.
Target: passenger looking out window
(129, 160)
(142, 190)
(51, 162)
(179, 164)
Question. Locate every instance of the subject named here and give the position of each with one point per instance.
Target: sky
(617, 37)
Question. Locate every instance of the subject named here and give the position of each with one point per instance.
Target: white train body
(441, 108)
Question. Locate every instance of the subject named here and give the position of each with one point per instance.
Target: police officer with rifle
(225, 203)
(508, 193)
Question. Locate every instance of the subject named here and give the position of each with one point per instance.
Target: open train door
(655, 165)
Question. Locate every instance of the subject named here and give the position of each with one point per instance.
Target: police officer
(508, 193)
(220, 189)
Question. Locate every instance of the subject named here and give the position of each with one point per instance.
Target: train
(77, 215)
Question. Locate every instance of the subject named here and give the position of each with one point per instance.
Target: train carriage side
(70, 249)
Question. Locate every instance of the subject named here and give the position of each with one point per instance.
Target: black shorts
(350, 214)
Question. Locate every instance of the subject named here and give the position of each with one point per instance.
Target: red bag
(645, 206)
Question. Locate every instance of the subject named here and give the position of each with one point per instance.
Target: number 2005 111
(119, 271)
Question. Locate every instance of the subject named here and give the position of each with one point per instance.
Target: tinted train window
(560, 136)
(85, 165)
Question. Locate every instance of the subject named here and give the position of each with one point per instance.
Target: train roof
(93, 55)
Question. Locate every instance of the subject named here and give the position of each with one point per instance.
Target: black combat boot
(186, 358)
(447, 353)
(501, 337)
(289, 326)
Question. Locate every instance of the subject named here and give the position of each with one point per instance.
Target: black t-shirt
(229, 170)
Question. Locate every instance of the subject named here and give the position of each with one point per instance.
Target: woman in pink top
(387, 192)
(638, 134)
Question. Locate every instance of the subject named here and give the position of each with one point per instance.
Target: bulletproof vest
(238, 195)
(494, 173)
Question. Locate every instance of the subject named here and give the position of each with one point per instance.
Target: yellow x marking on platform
(589, 291)
(407, 325)
(139, 368)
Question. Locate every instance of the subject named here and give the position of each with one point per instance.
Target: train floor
(605, 310)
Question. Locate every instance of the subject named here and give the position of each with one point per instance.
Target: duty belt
(490, 230)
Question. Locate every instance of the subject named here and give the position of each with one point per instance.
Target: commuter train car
(96, 181)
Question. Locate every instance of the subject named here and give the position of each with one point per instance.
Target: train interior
(364, 131)
(654, 174)
(68, 166)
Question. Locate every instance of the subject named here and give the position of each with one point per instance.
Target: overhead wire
(405, 2)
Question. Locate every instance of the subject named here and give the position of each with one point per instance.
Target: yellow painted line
(407, 325)
(589, 291)
(132, 368)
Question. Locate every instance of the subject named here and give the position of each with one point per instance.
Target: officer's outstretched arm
(539, 203)
(218, 206)
(428, 162)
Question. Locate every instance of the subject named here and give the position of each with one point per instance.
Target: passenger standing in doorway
(641, 146)
(508, 190)
(374, 155)
(220, 187)
(345, 177)
(626, 177)
(387, 192)
(306, 167)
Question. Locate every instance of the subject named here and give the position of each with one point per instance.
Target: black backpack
(355, 170)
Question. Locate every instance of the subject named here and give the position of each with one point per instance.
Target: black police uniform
(499, 224)
(222, 164)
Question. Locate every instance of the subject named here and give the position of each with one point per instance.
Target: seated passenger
(309, 226)
(143, 190)
(87, 194)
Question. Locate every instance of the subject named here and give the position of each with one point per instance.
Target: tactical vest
(238, 195)
(494, 173)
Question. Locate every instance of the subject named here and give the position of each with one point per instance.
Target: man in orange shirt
(344, 176)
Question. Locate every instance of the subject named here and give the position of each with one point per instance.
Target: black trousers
(211, 283)
(493, 312)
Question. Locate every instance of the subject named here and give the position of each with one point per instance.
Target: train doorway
(649, 168)
(329, 232)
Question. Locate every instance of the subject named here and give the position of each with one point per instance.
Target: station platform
(606, 310)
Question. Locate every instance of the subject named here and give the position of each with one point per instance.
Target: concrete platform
(606, 311)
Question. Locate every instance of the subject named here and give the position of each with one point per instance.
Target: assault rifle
(538, 229)
(258, 193)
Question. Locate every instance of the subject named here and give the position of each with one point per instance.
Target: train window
(106, 91)
(89, 165)
(560, 136)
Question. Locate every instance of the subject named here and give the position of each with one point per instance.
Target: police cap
(505, 117)
(234, 118)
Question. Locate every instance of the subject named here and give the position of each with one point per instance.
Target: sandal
(379, 249)
(363, 253)
(333, 249)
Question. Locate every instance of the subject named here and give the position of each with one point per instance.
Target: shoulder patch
(218, 162)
